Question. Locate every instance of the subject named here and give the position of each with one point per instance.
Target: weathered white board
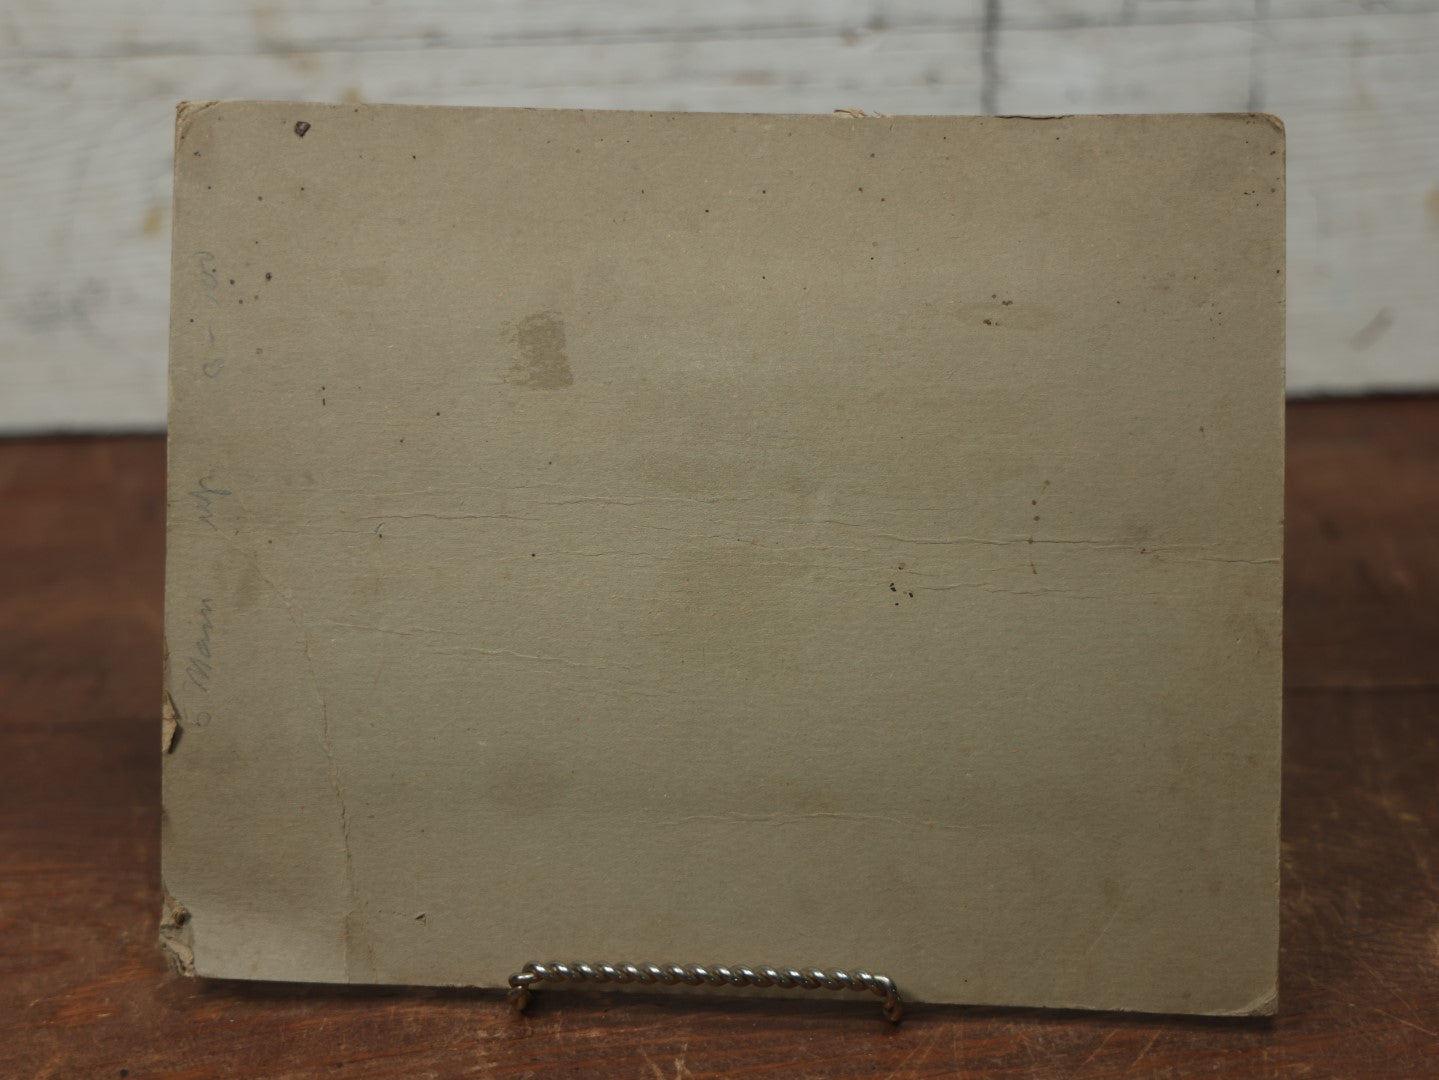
(88, 89)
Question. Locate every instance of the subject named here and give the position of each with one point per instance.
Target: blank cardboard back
(827, 541)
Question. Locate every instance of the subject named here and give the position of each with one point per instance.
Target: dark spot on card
(301, 126)
(541, 362)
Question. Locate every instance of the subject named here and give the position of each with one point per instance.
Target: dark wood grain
(84, 991)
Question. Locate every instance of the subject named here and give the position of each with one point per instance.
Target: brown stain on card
(541, 363)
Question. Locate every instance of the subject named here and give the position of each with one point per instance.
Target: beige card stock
(822, 541)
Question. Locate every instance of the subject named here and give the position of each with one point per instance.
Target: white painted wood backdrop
(88, 89)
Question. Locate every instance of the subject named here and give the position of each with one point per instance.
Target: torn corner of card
(772, 539)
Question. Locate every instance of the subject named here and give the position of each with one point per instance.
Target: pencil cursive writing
(197, 668)
(205, 496)
(214, 363)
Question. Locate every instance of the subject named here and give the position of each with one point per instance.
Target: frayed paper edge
(169, 725)
(177, 936)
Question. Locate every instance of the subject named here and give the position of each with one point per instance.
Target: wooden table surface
(85, 992)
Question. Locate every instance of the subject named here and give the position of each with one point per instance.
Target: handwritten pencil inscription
(205, 494)
(214, 363)
(198, 668)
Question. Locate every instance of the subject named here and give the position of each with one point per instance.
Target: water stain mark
(541, 363)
